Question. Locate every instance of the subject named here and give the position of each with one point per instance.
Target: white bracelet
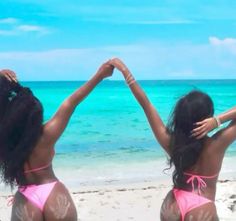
(131, 82)
(129, 77)
(217, 119)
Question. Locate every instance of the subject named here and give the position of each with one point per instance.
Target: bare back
(209, 164)
(59, 205)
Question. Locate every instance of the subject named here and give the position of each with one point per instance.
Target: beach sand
(139, 202)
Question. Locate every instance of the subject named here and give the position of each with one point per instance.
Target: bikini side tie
(201, 183)
(10, 200)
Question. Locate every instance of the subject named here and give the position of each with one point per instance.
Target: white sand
(139, 202)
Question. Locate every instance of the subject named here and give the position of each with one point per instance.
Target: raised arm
(56, 125)
(225, 136)
(153, 117)
(228, 115)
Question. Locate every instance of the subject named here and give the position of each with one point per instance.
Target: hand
(117, 63)
(10, 75)
(106, 70)
(203, 127)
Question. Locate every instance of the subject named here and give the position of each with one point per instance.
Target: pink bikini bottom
(188, 201)
(37, 194)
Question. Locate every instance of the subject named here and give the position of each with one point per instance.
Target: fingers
(109, 66)
(7, 77)
(198, 129)
(111, 69)
(201, 135)
(108, 63)
(200, 123)
(106, 70)
(113, 63)
(204, 127)
(118, 64)
(10, 75)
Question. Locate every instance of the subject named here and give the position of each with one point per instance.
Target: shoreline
(136, 201)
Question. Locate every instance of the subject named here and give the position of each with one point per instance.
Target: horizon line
(107, 80)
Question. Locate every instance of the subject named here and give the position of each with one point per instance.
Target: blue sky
(68, 40)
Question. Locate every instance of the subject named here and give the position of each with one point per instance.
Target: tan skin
(209, 162)
(59, 205)
(10, 75)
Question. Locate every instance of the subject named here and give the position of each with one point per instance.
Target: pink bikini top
(38, 169)
(200, 181)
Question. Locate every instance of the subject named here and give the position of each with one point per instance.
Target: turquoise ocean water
(108, 139)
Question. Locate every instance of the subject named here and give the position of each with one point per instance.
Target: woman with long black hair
(27, 149)
(196, 158)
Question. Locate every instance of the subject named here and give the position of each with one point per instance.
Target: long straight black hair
(185, 150)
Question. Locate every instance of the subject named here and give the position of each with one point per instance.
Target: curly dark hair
(185, 150)
(21, 124)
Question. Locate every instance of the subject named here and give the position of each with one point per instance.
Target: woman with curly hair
(196, 158)
(27, 149)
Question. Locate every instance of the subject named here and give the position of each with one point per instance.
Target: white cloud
(224, 45)
(33, 28)
(16, 27)
(29, 28)
(9, 21)
(225, 42)
(147, 60)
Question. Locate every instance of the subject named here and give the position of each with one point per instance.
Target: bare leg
(206, 212)
(23, 210)
(169, 209)
(59, 205)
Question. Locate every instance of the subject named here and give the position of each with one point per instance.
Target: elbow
(68, 105)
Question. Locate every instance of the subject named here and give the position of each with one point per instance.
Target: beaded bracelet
(131, 82)
(130, 79)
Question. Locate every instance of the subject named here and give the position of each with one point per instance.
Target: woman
(196, 157)
(27, 149)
